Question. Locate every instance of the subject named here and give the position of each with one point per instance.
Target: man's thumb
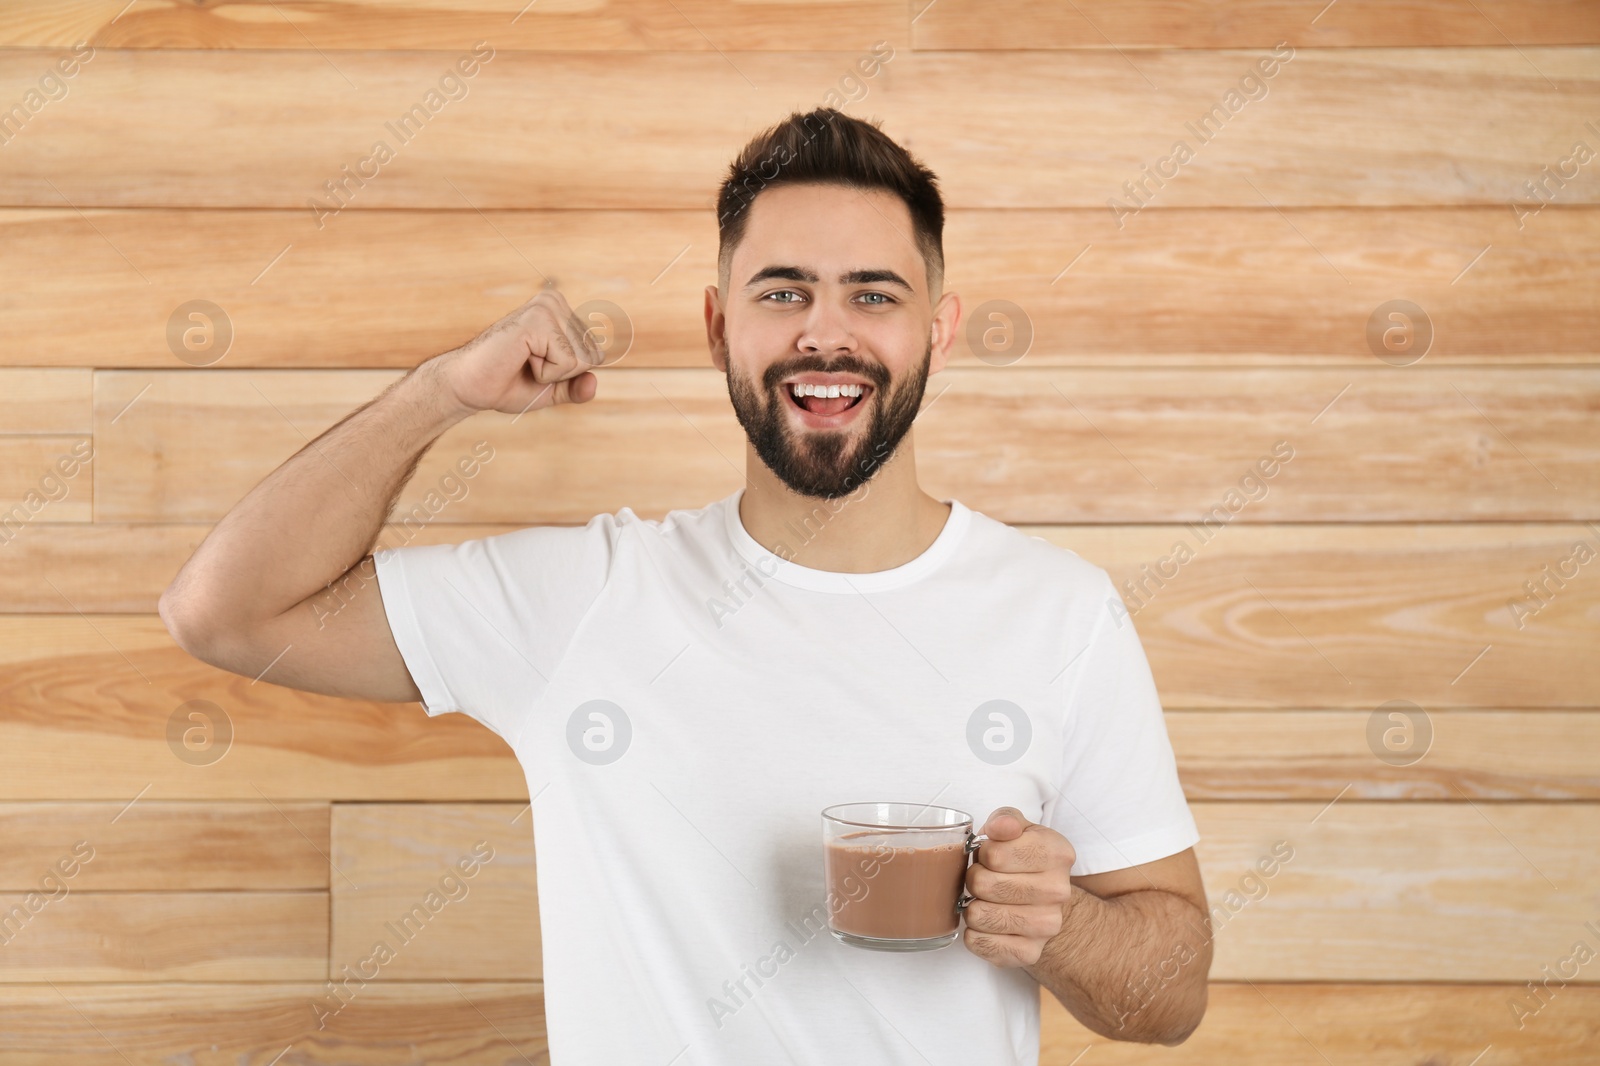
(1006, 823)
(578, 389)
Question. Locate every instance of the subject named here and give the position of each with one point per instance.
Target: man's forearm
(1131, 967)
(315, 516)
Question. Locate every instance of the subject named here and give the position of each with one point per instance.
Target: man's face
(827, 288)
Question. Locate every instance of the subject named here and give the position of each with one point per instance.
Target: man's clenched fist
(537, 356)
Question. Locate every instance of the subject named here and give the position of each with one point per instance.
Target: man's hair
(828, 147)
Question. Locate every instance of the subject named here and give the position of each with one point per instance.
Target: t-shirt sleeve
(1120, 803)
(482, 625)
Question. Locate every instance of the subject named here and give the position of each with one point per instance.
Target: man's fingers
(1052, 886)
(1030, 920)
(1001, 949)
(581, 348)
(580, 341)
(551, 355)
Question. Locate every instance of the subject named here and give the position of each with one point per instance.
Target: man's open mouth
(827, 399)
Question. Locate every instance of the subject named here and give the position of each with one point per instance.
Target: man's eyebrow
(783, 273)
(865, 277)
(854, 277)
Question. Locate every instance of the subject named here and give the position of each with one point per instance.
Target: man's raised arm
(247, 598)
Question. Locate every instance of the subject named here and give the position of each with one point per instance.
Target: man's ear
(716, 329)
(943, 330)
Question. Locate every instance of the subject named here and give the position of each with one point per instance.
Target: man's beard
(826, 463)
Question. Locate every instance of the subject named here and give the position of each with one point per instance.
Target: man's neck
(886, 523)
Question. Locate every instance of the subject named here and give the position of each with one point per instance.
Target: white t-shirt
(684, 704)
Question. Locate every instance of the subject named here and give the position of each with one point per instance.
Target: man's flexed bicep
(336, 642)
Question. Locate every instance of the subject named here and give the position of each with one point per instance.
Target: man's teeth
(825, 390)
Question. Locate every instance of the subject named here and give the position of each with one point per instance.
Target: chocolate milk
(881, 888)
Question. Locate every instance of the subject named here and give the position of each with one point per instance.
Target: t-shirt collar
(805, 577)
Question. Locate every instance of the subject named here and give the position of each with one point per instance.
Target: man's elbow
(187, 623)
(1177, 1036)
(1180, 1028)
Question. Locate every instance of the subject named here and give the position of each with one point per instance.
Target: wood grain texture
(1253, 285)
(1313, 755)
(165, 936)
(1313, 1024)
(88, 707)
(57, 401)
(981, 24)
(1389, 892)
(1171, 287)
(550, 25)
(1276, 616)
(448, 888)
(152, 846)
(459, 1023)
(1335, 128)
(1355, 616)
(78, 721)
(1013, 129)
(1023, 445)
(1371, 892)
(693, 25)
(491, 1023)
(105, 567)
(32, 487)
(375, 288)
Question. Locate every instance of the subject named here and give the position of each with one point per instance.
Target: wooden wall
(244, 841)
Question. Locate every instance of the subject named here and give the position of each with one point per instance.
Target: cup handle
(973, 843)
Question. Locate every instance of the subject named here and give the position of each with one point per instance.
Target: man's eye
(885, 296)
(782, 292)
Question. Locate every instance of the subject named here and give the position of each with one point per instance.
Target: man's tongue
(826, 405)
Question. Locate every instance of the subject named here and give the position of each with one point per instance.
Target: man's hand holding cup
(1021, 888)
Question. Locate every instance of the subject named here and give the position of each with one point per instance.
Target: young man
(687, 694)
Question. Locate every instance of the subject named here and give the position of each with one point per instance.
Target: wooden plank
(34, 399)
(591, 140)
(165, 936)
(133, 564)
(222, 1025)
(1026, 129)
(1165, 289)
(1371, 891)
(1331, 616)
(449, 889)
(1325, 616)
(1023, 24)
(153, 845)
(1029, 445)
(611, 25)
(421, 282)
(1306, 755)
(34, 486)
(1400, 615)
(95, 708)
(281, 142)
(702, 24)
(1255, 286)
(77, 722)
(461, 1023)
(1380, 892)
(1480, 892)
(1313, 1024)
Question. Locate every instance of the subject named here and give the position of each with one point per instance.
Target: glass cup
(896, 873)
